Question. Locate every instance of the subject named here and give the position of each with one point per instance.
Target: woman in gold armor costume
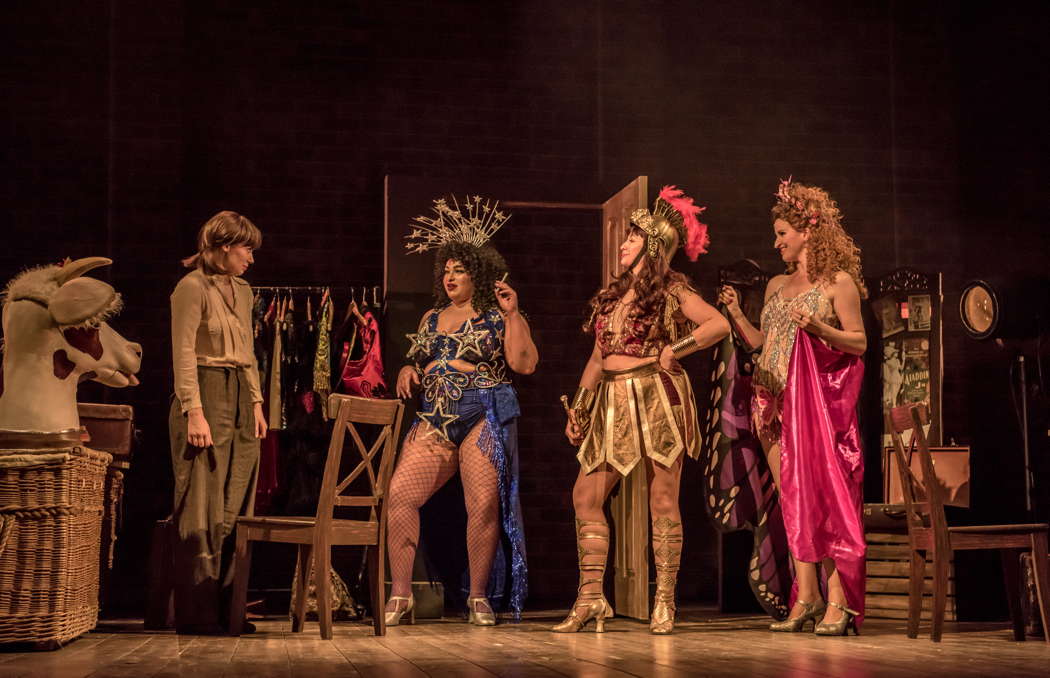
(635, 403)
(820, 484)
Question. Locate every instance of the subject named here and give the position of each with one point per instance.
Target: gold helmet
(671, 224)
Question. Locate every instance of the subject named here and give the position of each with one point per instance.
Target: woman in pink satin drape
(806, 380)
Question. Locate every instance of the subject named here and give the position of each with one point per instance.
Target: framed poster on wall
(906, 305)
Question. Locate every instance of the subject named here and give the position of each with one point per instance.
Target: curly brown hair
(650, 291)
(829, 248)
(485, 266)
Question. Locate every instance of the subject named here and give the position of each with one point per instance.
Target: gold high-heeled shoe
(667, 553)
(810, 612)
(593, 603)
(478, 617)
(394, 618)
(842, 626)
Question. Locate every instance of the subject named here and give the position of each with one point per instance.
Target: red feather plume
(696, 240)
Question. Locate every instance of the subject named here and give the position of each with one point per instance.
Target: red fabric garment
(634, 339)
(364, 377)
(269, 474)
(821, 462)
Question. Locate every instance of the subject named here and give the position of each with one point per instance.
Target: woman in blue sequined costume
(461, 358)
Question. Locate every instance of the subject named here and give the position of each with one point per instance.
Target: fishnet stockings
(428, 462)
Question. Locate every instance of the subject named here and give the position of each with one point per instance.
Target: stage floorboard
(704, 644)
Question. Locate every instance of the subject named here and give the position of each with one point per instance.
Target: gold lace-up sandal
(810, 612)
(589, 604)
(842, 626)
(667, 554)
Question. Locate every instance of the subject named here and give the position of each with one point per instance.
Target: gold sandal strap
(843, 608)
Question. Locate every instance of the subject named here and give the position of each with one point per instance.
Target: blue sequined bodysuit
(453, 402)
(447, 403)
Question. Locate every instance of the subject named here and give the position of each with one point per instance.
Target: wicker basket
(51, 505)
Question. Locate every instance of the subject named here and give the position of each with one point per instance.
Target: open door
(630, 504)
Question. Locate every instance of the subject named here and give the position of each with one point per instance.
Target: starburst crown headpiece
(474, 223)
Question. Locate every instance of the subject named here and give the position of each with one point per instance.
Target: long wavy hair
(485, 266)
(650, 290)
(829, 248)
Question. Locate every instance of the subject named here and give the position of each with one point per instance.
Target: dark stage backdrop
(127, 124)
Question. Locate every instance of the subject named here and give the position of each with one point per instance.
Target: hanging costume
(364, 376)
(739, 487)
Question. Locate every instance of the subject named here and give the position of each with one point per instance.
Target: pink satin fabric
(821, 464)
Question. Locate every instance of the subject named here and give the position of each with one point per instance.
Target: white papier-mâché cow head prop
(55, 336)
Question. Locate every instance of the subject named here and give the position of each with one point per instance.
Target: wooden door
(630, 504)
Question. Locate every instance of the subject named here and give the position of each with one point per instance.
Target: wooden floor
(703, 644)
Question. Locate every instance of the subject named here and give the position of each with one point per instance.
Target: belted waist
(632, 373)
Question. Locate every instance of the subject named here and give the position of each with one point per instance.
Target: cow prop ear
(80, 300)
(75, 269)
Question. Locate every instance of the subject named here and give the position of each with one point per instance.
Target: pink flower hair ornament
(784, 196)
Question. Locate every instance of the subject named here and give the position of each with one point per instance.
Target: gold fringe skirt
(641, 412)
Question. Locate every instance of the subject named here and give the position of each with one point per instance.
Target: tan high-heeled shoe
(591, 604)
(597, 608)
(480, 617)
(394, 618)
(667, 554)
(842, 626)
(810, 612)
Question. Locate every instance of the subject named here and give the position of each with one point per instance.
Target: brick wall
(131, 123)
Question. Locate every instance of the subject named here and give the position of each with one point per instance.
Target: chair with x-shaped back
(316, 535)
(929, 533)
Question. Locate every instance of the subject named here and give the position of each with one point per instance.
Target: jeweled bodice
(478, 341)
(621, 330)
(771, 369)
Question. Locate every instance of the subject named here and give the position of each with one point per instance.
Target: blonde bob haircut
(225, 228)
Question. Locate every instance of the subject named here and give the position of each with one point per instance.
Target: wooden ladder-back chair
(316, 535)
(929, 533)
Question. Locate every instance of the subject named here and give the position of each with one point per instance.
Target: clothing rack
(371, 296)
(292, 288)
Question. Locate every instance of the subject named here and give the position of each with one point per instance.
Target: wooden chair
(929, 533)
(316, 535)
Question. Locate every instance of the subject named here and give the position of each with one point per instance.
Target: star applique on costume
(438, 418)
(420, 343)
(470, 340)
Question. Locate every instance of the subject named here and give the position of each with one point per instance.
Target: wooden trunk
(887, 584)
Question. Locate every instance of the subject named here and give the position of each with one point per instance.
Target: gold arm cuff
(583, 399)
(582, 403)
(683, 346)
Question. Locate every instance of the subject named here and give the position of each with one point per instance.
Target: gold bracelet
(683, 346)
